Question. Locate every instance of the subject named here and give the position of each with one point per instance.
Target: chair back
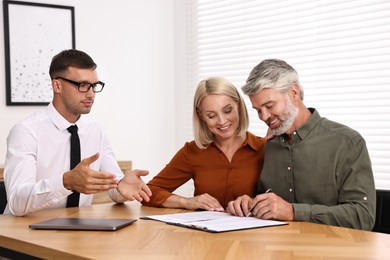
(382, 220)
(3, 197)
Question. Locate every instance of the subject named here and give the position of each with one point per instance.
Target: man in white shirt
(37, 172)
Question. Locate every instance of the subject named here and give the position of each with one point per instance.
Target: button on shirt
(38, 151)
(325, 172)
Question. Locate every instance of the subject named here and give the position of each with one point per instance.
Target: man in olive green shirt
(319, 170)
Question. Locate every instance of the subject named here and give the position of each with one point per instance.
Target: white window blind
(341, 50)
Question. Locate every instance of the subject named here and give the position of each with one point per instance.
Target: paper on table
(214, 221)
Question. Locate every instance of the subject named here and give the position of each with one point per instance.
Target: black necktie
(73, 199)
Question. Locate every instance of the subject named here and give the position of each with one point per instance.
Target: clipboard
(91, 224)
(214, 222)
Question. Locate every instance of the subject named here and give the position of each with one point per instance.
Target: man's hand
(132, 186)
(85, 180)
(265, 206)
(271, 206)
(240, 206)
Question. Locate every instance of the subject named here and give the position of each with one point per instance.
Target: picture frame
(33, 34)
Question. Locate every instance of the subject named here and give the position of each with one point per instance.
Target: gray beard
(290, 114)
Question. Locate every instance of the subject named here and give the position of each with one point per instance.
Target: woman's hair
(216, 86)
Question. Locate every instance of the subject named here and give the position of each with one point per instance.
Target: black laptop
(98, 224)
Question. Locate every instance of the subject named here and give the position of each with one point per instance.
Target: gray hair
(274, 74)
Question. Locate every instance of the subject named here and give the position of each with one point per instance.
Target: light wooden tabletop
(148, 239)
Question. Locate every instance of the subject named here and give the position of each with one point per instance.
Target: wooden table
(148, 239)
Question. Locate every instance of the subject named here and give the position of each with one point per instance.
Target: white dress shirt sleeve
(110, 164)
(25, 193)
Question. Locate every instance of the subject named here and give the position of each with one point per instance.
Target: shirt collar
(306, 128)
(59, 121)
(251, 141)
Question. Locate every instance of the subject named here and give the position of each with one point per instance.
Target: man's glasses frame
(84, 87)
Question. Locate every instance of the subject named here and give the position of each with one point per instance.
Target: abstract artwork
(34, 33)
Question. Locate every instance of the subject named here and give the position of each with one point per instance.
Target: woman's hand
(204, 201)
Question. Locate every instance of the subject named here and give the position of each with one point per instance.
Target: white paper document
(214, 221)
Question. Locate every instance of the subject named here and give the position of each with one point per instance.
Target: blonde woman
(224, 160)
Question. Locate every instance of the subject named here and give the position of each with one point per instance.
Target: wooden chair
(103, 197)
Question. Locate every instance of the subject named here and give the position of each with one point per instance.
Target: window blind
(339, 48)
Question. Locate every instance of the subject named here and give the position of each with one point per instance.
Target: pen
(250, 211)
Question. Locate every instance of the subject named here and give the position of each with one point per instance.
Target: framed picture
(33, 34)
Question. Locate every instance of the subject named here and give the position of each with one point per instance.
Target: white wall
(133, 43)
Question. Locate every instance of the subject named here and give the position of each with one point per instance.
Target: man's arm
(356, 193)
(24, 193)
(130, 186)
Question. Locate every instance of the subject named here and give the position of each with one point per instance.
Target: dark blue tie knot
(73, 129)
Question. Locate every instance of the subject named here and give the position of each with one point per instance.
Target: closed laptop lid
(99, 224)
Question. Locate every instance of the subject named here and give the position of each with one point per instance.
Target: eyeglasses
(84, 87)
